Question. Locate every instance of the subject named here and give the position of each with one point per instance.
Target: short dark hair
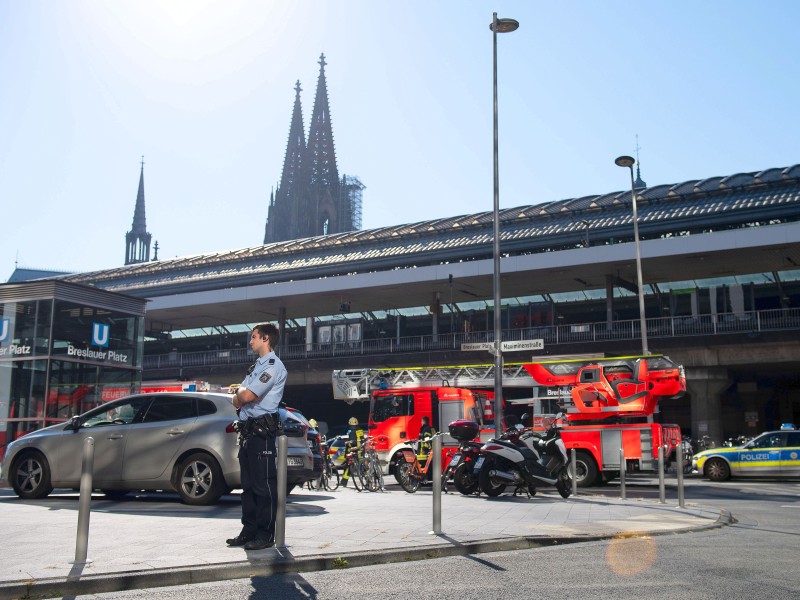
(269, 330)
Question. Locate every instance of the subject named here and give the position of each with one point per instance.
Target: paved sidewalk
(149, 540)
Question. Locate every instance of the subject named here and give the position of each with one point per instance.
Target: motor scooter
(524, 458)
(461, 465)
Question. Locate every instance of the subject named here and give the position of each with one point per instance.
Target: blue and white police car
(771, 454)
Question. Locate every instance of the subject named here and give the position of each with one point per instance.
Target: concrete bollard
(437, 484)
(622, 473)
(280, 518)
(661, 494)
(681, 498)
(85, 503)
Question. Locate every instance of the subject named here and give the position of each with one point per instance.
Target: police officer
(256, 400)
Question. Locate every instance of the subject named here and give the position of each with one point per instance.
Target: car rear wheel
(717, 469)
(200, 480)
(30, 476)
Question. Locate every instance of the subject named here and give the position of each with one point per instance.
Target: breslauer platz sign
(509, 346)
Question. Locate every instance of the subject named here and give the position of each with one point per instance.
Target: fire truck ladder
(357, 384)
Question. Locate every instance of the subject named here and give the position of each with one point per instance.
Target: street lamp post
(497, 26)
(628, 161)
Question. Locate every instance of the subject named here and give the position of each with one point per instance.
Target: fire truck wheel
(585, 469)
(464, 481)
(488, 487)
(717, 469)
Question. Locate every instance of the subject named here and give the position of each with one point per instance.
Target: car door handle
(116, 436)
(176, 432)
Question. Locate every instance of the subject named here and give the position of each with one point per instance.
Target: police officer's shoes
(239, 540)
(259, 544)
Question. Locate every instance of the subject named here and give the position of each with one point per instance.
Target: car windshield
(392, 405)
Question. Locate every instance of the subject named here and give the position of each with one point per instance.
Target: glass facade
(60, 356)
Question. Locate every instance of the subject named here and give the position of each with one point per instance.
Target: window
(171, 408)
(392, 405)
(117, 413)
(206, 407)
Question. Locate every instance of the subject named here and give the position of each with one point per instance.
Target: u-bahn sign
(510, 346)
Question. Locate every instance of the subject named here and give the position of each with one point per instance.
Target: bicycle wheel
(367, 475)
(409, 480)
(331, 477)
(378, 474)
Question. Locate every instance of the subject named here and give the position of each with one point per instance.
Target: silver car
(178, 441)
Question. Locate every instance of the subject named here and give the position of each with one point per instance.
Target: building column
(309, 333)
(705, 385)
(609, 302)
(435, 309)
(282, 323)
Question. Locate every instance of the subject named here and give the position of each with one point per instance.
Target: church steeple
(312, 199)
(322, 215)
(284, 206)
(137, 240)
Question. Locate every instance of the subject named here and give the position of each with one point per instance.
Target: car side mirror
(74, 423)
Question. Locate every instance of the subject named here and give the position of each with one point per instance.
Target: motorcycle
(524, 458)
(461, 465)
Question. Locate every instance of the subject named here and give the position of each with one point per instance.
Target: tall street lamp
(628, 161)
(498, 26)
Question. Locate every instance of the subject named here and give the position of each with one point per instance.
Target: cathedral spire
(137, 239)
(284, 205)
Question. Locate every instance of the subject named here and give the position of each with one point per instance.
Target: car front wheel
(30, 476)
(200, 480)
(717, 469)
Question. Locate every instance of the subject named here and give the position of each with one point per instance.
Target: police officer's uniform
(257, 453)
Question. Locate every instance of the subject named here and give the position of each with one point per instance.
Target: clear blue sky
(204, 90)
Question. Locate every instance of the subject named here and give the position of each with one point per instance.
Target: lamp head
(504, 25)
(624, 161)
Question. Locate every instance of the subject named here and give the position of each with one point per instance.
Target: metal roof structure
(691, 207)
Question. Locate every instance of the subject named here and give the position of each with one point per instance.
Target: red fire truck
(609, 404)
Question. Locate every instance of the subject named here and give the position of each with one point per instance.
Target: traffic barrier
(679, 468)
(574, 471)
(85, 503)
(437, 484)
(622, 467)
(661, 492)
(280, 517)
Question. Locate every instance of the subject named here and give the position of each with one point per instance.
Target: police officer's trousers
(258, 465)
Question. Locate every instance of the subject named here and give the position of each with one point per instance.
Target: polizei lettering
(97, 354)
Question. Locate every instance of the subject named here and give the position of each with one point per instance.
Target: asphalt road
(755, 558)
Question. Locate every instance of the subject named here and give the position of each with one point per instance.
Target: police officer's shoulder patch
(265, 377)
(271, 361)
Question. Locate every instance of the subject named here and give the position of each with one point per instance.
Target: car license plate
(454, 460)
(294, 461)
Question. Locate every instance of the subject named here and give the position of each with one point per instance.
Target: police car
(771, 454)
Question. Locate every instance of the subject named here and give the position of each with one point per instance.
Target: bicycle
(411, 472)
(352, 470)
(329, 478)
(370, 466)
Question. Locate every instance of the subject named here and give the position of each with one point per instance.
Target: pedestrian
(256, 401)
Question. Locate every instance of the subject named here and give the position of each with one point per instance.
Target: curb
(286, 563)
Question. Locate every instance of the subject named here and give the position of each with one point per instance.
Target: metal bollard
(85, 503)
(622, 473)
(661, 495)
(280, 518)
(437, 484)
(681, 499)
(574, 471)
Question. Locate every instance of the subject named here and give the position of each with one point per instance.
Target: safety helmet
(352, 421)
(313, 423)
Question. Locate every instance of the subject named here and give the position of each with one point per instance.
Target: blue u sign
(100, 334)
(5, 326)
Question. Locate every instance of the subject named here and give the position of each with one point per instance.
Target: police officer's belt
(262, 426)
